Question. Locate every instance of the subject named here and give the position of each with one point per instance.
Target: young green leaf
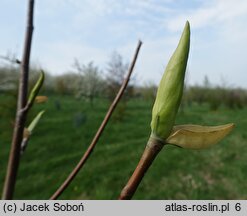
(171, 89)
(35, 122)
(197, 136)
(28, 132)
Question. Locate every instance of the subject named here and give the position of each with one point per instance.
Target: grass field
(63, 134)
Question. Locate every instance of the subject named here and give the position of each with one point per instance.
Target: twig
(151, 151)
(14, 156)
(100, 130)
(11, 60)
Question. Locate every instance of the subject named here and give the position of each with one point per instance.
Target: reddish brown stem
(14, 156)
(100, 130)
(152, 149)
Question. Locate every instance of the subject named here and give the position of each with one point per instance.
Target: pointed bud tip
(187, 27)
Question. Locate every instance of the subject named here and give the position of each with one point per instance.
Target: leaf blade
(198, 136)
(35, 122)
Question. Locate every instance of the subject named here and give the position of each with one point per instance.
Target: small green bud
(36, 88)
(170, 89)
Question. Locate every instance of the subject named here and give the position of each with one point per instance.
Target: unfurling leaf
(170, 89)
(41, 99)
(197, 136)
(28, 131)
(35, 122)
(36, 88)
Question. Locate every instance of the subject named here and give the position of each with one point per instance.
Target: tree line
(88, 82)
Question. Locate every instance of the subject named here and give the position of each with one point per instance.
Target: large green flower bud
(170, 90)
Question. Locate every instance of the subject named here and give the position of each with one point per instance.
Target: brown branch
(100, 130)
(151, 151)
(14, 156)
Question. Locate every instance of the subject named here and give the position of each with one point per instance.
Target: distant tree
(206, 82)
(116, 70)
(66, 83)
(60, 85)
(149, 91)
(115, 75)
(9, 79)
(8, 93)
(90, 83)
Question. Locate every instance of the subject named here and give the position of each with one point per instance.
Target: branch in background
(100, 130)
(14, 156)
(11, 60)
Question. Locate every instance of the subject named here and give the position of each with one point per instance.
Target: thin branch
(100, 130)
(14, 156)
(11, 60)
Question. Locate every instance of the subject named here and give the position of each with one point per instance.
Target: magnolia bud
(170, 89)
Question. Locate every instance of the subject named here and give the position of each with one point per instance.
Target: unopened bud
(170, 89)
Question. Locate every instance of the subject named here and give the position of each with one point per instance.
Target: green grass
(57, 145)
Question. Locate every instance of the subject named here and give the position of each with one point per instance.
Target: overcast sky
(90, 30)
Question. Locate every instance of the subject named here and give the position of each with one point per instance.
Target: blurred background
(85, 48)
